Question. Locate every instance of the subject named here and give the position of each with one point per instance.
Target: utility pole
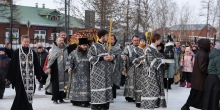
(207, 22)
(65, 28)
(11, 22)
(127, 23)
(102, 14)
(219, 19)
(138, 16)
(68, 25)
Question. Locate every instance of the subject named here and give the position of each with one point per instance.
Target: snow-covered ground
(176, 98)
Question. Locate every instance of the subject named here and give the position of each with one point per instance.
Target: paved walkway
(177, 97)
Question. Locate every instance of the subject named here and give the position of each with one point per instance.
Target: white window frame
(7, 35)
(44, 35)
(193, 33)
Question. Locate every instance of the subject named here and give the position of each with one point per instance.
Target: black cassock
(14, 76)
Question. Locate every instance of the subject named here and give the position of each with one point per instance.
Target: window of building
(42, 32)
(193, 33)
(36, 32)
(15, 35)
(40, 35)
(54, 18)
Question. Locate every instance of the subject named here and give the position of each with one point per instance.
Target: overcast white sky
(50, 3)
(194, 4)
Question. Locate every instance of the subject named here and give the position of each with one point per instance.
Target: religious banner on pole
(169, 49)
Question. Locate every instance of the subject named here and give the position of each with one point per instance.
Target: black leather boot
(138, 105)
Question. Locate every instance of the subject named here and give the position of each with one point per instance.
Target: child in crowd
(187, 62)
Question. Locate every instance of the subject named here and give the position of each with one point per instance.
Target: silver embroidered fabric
(152, 83)
(27, 72)
(131, 54)
(79, 87)
(139, 70)
(100, 76)
(116, 75)
(61, 56)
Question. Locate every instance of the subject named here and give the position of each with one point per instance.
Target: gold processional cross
(27, 62)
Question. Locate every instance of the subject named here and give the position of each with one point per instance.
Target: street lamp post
(11, 21)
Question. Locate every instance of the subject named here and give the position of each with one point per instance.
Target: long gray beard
(60, 46)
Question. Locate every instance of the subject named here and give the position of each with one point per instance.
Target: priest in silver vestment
(152, 87)
(116, 75)
(56, 67)
(138, 62)
(78, 67)
(100, 75)
(130, 54)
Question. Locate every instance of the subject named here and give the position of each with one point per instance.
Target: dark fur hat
(83, 41)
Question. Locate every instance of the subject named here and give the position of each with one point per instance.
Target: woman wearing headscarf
(199, 75)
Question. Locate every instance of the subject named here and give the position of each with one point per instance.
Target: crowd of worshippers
(89, 76)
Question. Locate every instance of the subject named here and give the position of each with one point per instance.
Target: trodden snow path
(177, 97)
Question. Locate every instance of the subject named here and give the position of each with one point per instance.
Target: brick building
(45, 24)
(190, 31)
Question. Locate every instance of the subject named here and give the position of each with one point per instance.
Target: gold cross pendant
(26, 62)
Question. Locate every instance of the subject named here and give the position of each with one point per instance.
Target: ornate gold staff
(109, 45)
(152, 33)
(146, 35)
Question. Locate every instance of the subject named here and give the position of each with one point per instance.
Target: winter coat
(180, 56)
(200, 69)
(42, 57)
(214, 62)
(4, 63)
(187, 61)
(178, 50)
(212, 90)
(172, 67)
(9, 52)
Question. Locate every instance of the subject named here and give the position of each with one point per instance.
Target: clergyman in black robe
(23, 66)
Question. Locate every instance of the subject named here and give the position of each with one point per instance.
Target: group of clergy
(144, 75)
(86, 76)
(90, 75)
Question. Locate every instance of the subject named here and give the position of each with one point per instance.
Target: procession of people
(89, 75)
